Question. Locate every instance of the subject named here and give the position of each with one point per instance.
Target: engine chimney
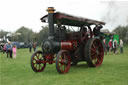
(50, 11)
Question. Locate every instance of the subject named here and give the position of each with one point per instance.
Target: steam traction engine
(65, 47)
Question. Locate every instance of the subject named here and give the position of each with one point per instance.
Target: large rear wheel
(94, 52)
(63, 62)
(38, 61)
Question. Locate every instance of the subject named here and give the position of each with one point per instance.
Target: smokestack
(50, 11)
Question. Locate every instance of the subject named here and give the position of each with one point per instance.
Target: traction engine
(66, 47)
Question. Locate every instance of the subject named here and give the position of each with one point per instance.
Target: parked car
(24, 45)
(1, 47)
(17, 44)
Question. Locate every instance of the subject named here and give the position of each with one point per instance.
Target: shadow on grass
(51, 69)
(80, 66)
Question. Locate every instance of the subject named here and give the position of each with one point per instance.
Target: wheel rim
(97, 52)
(38, 62)
(63, 62)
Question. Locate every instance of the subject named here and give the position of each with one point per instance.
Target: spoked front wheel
(38, 61)
(63, 62)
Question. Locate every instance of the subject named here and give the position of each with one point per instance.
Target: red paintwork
(69, 45)
(49, 58)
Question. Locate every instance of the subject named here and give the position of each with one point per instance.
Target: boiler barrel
(50, 46)
(66, 46)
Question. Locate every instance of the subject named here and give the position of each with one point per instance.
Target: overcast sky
(17, 13)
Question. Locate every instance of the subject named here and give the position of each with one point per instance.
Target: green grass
(114, 71)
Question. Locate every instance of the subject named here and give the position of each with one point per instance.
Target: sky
(17, 13)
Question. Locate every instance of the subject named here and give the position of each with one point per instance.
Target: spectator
(9, 49)
(4, 48)
(104, 44)
(104, 41)
(34, 46)
(14, 51)
(110, 45)
(121, 46)
(30, 47)
(115, 46)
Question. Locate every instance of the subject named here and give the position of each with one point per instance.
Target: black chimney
(50, 21)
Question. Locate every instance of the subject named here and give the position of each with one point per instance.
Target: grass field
(114, 71)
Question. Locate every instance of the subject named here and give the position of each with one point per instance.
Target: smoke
(116, 13)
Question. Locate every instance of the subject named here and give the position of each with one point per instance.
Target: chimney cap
(50, 10)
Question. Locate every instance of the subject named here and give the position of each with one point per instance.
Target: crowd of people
(112, 46)
(32, 45)
(11, 50)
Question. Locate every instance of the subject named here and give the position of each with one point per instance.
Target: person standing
(115, 46)
(9, 49)
(110, 45)
(14, 51)
(34, 46)
(121, 46)
(104, 45)
(4, 48)
(30, 47)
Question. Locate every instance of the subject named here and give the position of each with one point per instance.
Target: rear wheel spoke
(93, 45)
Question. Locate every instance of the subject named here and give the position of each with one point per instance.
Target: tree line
(122, 31)
(27, 35)
(24, 34)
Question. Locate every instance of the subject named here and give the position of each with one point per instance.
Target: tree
(26, 34)
(3, 33)
(122, 31)
(126, 37)
(43, 34)
(35, 37)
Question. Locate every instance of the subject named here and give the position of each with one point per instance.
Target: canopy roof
(107, 32)
(67, 19)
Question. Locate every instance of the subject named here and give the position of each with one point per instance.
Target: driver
(96, 30)
(83, 29)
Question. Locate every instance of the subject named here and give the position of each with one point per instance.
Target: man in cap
(96, 30)
(9, 49)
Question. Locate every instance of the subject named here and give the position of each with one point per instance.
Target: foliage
(18, 71)
(35, 37)
(122, 31)
(43, 34)
(2, 33)
(26, 34)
